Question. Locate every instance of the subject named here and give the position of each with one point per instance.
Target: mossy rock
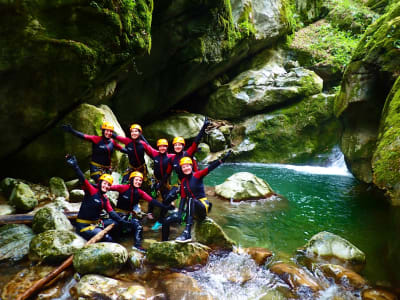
(23, 198)
(100, 258)
(177, 255)
(94, 286)
(58, 187)
(53, 246)
(209, 233)
(14, 241)
(48, 218)
(386, 158)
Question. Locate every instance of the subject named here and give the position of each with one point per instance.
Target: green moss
(386, 159)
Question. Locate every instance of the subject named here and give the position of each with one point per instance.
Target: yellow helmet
(136, 126)
(162, 142)
(135, 174)
(185, 160)
(178, 139)
(107, 177)
(107, 125)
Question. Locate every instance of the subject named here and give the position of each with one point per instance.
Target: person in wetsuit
(129, 196)
(88, 222)
(193, 196)
(135, 147)
(162, 169)
(179, 144)
(102, 148)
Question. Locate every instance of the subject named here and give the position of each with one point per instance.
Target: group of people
(193, 201)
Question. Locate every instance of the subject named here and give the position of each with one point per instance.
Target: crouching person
(193, 197)
(129, 196)
(88, 222)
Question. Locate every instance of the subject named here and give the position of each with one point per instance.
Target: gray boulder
(23, 198)
(211, 234)
(14, 241)
(244, 186)
(58, 187)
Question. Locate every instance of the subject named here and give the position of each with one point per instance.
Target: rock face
(54, 52)
(54, 246)
(100, 258)
(243, 186)
(183, 49)
(211, 234)
(23, 198)
(257, 89)
(14, 241)
(50, 218)
(173, 254)
(85, 118)
(385, 171)
(290, 134)
(326, 244)
(365, 86)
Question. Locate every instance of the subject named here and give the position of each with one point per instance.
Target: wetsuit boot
(185, 237)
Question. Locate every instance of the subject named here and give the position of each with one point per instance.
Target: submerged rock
(343, 276)
(378, 294)
(173, 254)
(48, 218)
(326, 244)
(23, 198)
(181, 286)
(100, 258)
(6, 209)
(211, 234)
(53, 246)
(258, 254)
(99, 287)
(295, 277)
(244, 186)
(14, 241)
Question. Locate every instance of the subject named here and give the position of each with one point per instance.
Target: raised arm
(213, 165)
(71, 160)
(68, 128)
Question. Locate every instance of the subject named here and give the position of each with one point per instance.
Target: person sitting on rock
(135, 147)
(128, 199)
(88, 222)
(193, 196)
(162, 170)
(102, 148)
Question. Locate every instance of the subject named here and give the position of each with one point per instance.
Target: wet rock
(203, 152)
(343, 276)
(378, 294)
(62, 205)
(181, 286)
(53, 246)
(48, 218)
(295, 277)
(258, 254)
(211, 234)
(326, 244)
(58, 187)
(76, 195)
(23, 198)
(244, 186)
(136, 292)
(100, 258)
(6, 209)
(14, 241)
(7, 185)
(23, 280)
(99, 287)
(173, 254)
(136, 259)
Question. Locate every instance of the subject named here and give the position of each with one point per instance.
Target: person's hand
(114, 135)
(71, 160)
(66, 127)
(223, 159)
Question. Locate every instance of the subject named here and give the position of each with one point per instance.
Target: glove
(67, 127)
(71, 160)
(226, 155)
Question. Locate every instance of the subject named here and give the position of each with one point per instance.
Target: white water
(337, 166)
